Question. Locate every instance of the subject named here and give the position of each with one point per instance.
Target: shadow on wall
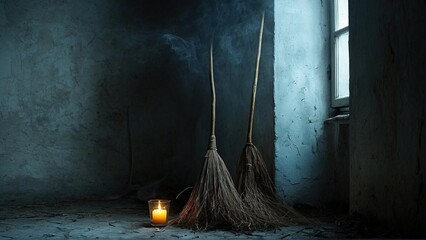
(163, 90)
(170, 93)
(163, 114)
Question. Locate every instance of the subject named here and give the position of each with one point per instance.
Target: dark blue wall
(86, 85)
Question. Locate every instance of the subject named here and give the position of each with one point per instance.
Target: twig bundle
(254, 183)
(258, 193)
(214, 201)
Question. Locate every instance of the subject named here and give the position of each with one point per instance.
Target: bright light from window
(342, 17)
(340, 35)
(342, 65)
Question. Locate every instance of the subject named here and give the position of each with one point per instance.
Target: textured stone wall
(387, 132)
(87, 85)
(302, 102)
(63, 103)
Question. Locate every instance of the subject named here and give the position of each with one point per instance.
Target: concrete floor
(124, 219)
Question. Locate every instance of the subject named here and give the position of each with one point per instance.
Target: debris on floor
(129, 219)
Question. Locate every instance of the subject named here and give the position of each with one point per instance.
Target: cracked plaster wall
(301, 92)
(387, 129)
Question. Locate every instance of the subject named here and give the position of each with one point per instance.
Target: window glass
(342, 65)
(341, 11)
(340, 53)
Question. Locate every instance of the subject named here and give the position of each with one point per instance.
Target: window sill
(339, 119)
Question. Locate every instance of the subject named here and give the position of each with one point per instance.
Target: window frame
(335, 101)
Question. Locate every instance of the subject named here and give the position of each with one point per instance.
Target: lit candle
(159, 215)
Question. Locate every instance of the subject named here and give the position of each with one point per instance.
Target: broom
(254, 183)
(214, 201)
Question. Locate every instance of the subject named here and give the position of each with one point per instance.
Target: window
(340, 53)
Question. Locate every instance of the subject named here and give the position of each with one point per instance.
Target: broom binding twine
(212, 143)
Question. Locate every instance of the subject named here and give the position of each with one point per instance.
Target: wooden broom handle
(213, 122)
(256, 76)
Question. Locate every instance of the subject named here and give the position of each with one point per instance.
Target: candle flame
(159, 205)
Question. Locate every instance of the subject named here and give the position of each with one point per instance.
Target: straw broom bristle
(214, 201)
(252, 168)
(257, 191)
(254, 183)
